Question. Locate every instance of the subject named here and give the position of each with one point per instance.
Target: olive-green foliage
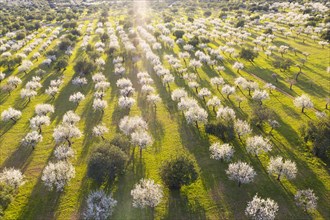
(318, 132)
(178, 172)
(248, 54)
(106, 163)
(6, 196)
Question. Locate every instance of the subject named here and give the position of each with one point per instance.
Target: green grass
(213, 196)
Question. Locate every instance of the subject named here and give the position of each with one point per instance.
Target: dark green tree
(178, 172)
(106, 163)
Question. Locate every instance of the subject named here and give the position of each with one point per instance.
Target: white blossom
(196, 115)
(126, 102)
(44, 109)
(100, 130)
(240, 172)
(12, 177)
(11, 114)
(221, 151)
(130, 124)
(57, 175)
(177, 94)
(261, 209)
(226, 114)
(99, 104)
(76, 97)
(303, 102)
(70, 118)
(146, 193)
(256, 144)
(242, 128)
(65, 132)
(228, 90)
(306, 199)
(63, 152)
(37, 121)
(280, 168)
(100, 206)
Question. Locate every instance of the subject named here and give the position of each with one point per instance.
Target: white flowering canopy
(261, 209)
(12, 177)
(99, 205)
(241, 172)
(57, 175)
(146, 193)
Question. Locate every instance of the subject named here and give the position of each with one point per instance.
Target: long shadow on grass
(92, 118)
(42, 204)
(20, 158)
(156, 128)
(180, 207)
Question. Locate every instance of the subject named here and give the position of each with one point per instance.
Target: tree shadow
(20, 158)
(42, 204)
(180, 207)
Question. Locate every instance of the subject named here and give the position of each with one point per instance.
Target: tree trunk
(302, 109)
(279, 176)
(140, 152)
(298, 75)
(69, 142)
(196, 123)
(13, 120)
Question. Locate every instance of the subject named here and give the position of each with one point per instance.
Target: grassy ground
(213, 196)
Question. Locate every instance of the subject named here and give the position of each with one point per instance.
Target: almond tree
(11, 114)
(38, 121)
(65, 133)
(99, 206)
(129, 124)
(256, 144)
(204, 92)
(63, 152)
(99, 104)
(100, 130)
(44, 109)
(14, 81)
(240, 172)
(153, 99)
(239, 66)
(261, 209)
(70, 118)
(228, 90)
(76, 98)
(303, 102)
(141, 139)
(147, 193)
(221, 151)
(12, 177)
(260, 95)
(196, 115)
(126, 102)
(213, 102)
(242, 128)
(28, 93)
(217, 81)
(306, 199)
(226, 114)
(57, 175)
(280, 168)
